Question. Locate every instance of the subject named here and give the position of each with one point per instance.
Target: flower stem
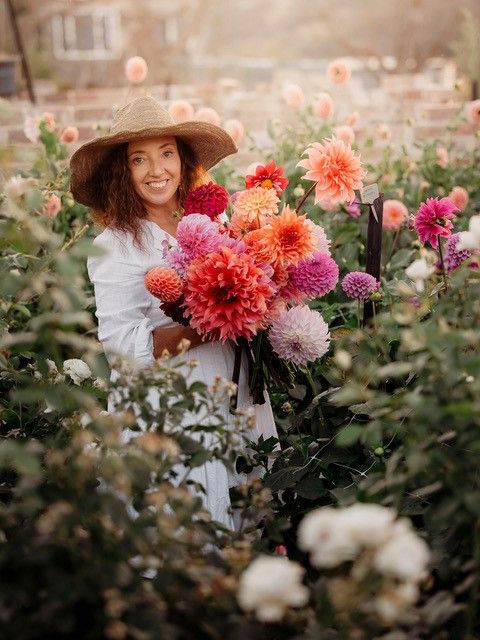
(301, 202)
(442, 263)
(393, 247)
(359, 312)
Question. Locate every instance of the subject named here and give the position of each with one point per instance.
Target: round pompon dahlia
(315, 276)
(299, 334)
(164, 283)
(454, 257)
(227, 295)
(210, 199)
(359, 285)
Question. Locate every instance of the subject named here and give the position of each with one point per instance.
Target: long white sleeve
(123, 303)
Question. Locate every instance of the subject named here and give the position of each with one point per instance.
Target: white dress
(127, 314)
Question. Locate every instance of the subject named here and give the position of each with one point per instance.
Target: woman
(135, 179)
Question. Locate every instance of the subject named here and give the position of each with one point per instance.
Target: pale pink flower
(384, 132)
(345, 133)
(30, 128)
(473, 112)
(49, 120)
(322, 243)
(394, 214)
(69, 135)
(299, 334)
(136, 70)
(52, 205)
(353, 119)
(181, 110)
(338, 72)
(442, 157)
(235, 130)
(207, 114)
(323, 106)
(335, 168)
(459, 197)
(293, 95)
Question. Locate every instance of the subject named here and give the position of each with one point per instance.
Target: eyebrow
(166, 144)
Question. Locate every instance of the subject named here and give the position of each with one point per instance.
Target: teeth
(157, 185)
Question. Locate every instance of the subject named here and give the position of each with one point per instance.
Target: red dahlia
(209, 199)
(269, 177)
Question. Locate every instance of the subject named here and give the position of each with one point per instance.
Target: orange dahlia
(285, 240)
(227, 296)
(164, 283)
(256, 201)
(335, 168)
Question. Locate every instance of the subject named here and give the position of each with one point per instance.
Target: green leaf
(349, 435)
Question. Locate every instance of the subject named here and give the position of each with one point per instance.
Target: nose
(157, 167)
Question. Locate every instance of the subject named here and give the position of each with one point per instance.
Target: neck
(167, 213)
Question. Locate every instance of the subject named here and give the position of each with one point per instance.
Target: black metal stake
(374, 248)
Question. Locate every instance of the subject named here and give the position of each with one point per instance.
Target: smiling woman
(136, 179)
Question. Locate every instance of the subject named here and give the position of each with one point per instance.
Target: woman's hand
(169, 338)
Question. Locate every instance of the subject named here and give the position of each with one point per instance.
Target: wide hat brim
(209, 143)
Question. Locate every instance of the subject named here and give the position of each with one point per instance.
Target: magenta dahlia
(315, 276)
(453, 256)
(359, 285)
(433, 219)
(299, 334)
(210, 199)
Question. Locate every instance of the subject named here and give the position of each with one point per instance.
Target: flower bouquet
(247, 277)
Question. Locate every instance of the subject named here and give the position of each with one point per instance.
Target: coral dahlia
(394, 214)
(227, 295)
(210, 199)
(267, 176)
(433, 219)
(335, 168)
(299, 334)
(164, 283)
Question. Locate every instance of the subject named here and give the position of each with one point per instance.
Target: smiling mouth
(158, 185)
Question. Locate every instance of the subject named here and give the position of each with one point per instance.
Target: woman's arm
(170, 337)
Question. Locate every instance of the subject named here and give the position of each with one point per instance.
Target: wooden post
(21, 51)
(374, 248)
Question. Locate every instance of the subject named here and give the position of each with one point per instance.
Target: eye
(168, 154)
(137, 160)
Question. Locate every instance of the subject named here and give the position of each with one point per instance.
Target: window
(88, 35)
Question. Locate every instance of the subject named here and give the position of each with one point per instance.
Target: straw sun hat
(143, 118)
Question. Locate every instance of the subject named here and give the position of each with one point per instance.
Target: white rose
(368, 524)
(322, 533)
(270, 585)
(418, 272)
(78, 370)
(404, 556)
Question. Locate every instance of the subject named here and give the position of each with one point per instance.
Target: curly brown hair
(119, 205)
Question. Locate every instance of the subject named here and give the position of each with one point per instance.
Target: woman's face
(155, 167)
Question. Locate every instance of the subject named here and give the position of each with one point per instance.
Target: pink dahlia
(136, 70)
(459, 197)
(197, 235)
(453, 256)
(227, 296)
(433, 219)
(359, 285)
(299, 334)
(315, 276)
(335, 168)
(353, 209)
(267, 176)
(473, 112)
(394, 215)
(320, 239)
(210, 199)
